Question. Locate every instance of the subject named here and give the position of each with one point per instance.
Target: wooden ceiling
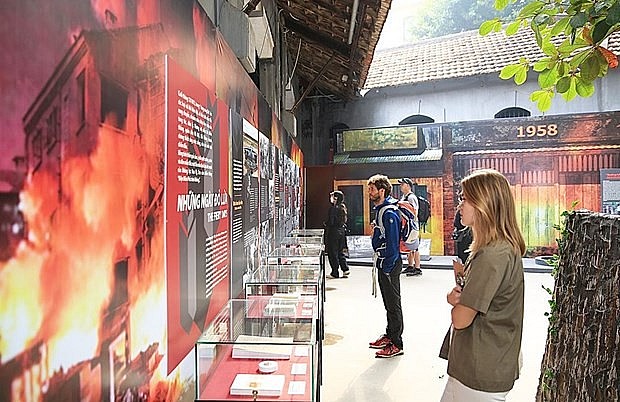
(329, 58)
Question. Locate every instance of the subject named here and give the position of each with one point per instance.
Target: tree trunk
(582, 354)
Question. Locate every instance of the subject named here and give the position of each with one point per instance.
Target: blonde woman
(487, 312)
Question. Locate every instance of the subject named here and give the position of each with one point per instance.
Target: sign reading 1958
(539, 130)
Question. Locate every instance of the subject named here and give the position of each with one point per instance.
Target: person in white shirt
(413, 257)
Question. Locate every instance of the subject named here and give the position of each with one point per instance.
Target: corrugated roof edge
(427, 155)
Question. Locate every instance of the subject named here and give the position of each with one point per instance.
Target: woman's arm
(462, 316)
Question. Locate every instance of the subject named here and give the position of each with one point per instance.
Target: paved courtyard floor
(353, 317)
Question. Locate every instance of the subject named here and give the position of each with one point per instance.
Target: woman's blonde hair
(488, 191)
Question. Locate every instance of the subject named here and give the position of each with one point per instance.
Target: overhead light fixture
(344, 78)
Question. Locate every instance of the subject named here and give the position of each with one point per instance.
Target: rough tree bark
(582, 354)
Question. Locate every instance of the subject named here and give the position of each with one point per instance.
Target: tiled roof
(453, 56)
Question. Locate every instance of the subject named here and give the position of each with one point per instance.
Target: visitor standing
(336, 235)
(487, 310)
(413, 256)
(387, 264)
(462, 237)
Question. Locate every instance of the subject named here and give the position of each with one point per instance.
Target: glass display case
(269, 279)
(262, 348)
(294, 279)
(301, 254)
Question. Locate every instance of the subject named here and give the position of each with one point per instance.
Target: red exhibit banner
(197, 200)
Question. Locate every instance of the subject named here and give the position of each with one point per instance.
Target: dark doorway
(354, 198)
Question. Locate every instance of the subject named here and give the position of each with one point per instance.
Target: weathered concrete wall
(465, 99)
(582, 355)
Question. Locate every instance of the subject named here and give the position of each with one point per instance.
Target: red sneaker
(380, 343)
(390, 350)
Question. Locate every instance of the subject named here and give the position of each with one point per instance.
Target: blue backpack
(409, 228)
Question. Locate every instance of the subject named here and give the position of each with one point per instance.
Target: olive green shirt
(485, 355)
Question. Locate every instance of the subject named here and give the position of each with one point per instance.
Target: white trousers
(455, 391)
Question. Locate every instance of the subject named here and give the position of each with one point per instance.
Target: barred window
(511, 112)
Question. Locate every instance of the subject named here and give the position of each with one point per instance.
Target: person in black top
(462, 237)
(335, 235)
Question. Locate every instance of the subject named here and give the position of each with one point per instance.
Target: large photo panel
(197, 208)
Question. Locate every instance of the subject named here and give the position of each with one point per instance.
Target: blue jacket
(386, 243)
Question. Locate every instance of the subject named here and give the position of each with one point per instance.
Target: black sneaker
(408, 270)
(415, 272)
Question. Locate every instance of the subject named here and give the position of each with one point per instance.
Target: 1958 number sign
(543, 130)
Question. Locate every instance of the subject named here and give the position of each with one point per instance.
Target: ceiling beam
(317, 38)
(311, 85)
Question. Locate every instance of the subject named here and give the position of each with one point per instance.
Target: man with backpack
(387, 265)
(413, 255)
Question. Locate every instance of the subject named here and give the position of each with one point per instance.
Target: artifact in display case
(246, 354)
(262, 347)
(263, 385)
(286, 282)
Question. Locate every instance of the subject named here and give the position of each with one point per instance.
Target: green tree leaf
(560, 26)
(501, 4)
(537, 34)
(585, 89)
(549, 49)
(531, 9)
(486, 27)
(509, 71)
(543, 64)
(590, 68)
(521, 75)
(513, 28)
(579, 58)
(563, 85)
(562, 68)
(498, 26)
(548, 78)
(566, 47)
(600, 31)
(541, 19)
(579, 20)
(598, 7)
(543, 99)
(613, 16)
(571, 93)
(571, 67)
